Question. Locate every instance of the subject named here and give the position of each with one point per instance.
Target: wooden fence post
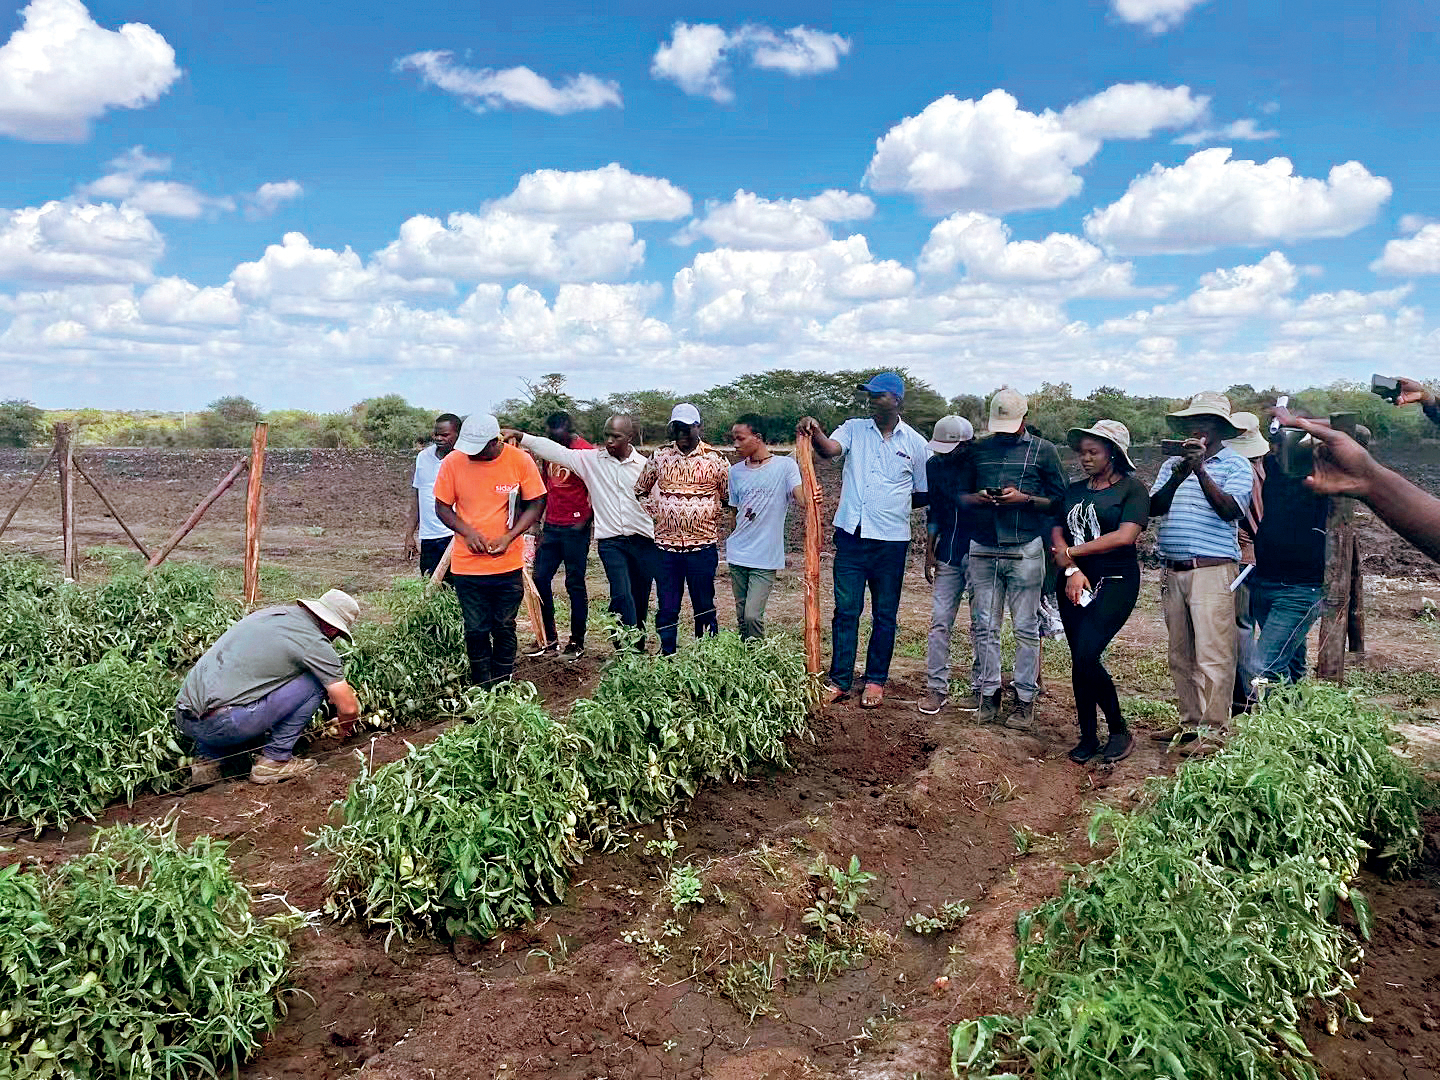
(65, 456)
(1339, 584)
(805, 458)
(111, 507)
(252, 512)
(26, 493)
(196, 514)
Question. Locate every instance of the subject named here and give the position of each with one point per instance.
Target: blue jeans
(1284, 614)
(489, 604)
(1013, 576)
(681, 571)
(949, 591)
(860, 564)
(284, 713)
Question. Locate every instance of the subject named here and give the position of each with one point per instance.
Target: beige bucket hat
(1112, 431)
(1251, 443)
(1206, 403)
(336, 608)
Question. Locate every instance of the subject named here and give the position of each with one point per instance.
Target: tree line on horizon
(779, 397)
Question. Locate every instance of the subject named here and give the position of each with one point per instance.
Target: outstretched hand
(512, 435)
(1342, 465)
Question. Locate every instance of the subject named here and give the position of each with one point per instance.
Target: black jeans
(629, 563)
(431, 552)
(878, 565)
(1089, 630)
(569, 544)
(489, 603)
(681, 570)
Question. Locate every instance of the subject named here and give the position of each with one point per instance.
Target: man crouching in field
(268, 673)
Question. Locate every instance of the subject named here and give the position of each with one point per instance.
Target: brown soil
(929, 804)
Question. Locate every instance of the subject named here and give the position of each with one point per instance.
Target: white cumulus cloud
(175, 301)
(1418, 254)
(295, 278)
(518, 87)
(611, 193)
(61, 70)
(1157, 16)
(269, 197)
(1210, 202)
(994, 156)
(129, 182)
(752, 222)
(697, 56)
(983, 246)
(77, 242)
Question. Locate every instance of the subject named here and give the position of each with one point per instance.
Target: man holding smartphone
(1014, 482)
(1199, 495)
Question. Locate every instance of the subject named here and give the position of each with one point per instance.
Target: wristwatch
(1069, 570)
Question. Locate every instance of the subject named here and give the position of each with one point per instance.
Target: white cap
(478, 431)
(1007, 411)
(685, 413)
(950, 432)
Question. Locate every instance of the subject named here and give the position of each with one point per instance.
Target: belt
(1196, 563)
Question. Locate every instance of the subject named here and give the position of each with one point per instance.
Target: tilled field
(596, 987)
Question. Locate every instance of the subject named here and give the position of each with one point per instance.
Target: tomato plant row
(1192, 949)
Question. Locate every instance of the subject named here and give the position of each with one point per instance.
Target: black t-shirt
(1290, 543)
(1087, 515)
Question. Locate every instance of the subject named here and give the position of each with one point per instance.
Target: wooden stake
(252, 513)
(1356, 620)
(108, 506)
(532, 607)
(196, 514)
(1339, 581)
(65, 457)
(805, 458)
(28, 488)
(441, 569)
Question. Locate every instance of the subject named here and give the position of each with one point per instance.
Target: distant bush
(21, 423)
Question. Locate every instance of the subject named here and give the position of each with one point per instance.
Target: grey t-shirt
(260, 653)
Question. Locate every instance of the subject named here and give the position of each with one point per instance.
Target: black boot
(1088, 748)
(1119, 746)
(989, 708)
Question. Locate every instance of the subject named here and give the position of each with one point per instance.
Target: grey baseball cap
(950, 432)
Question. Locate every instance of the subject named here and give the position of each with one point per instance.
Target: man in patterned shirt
(685, 486)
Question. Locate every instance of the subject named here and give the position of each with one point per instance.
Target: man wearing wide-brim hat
(1199, 497)
(268, 674)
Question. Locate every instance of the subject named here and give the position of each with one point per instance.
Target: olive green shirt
(259, 654)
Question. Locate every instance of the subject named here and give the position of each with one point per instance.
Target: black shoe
(573, 651)
(553, 649)
(1023, 715)
(989, 708)
(1120, 745)
(1087, 749)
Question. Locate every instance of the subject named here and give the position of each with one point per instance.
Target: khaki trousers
(1200, 615)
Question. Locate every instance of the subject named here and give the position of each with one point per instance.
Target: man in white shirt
(426, 533)
(624, 531)
(884, 479)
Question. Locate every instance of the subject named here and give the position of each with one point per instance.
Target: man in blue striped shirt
(1199, 498)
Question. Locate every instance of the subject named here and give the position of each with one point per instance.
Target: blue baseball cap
(887, 382)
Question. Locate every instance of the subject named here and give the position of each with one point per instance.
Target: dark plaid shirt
(1025, 463)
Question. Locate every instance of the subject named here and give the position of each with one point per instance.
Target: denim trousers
(284, 713)
(944, 606)
(630, 565)
(861, 564)
(1284, 614)
(1245, 643)
(489, 603)
(752, 592)
(568, 544)
(679, 572)
(1010, 576)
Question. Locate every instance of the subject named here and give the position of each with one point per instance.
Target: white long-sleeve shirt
(611, 483)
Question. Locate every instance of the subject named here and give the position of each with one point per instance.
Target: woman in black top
(1094, 539)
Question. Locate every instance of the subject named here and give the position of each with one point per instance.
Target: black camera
(1385, 387)
(1295, 451)
(1172, 447)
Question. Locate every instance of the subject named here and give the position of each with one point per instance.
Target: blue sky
(312, 203)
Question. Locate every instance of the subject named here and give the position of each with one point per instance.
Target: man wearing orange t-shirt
(489, 494)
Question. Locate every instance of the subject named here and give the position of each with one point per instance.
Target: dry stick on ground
(532, 607)
(442, 568)
(252, 513)
(108, 506)
(805, 458)
(65, 457)
(197, 514)
(26, 493)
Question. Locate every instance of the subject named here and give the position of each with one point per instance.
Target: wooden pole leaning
(65, 457)
(110, 507)
(26, 493)
(805, 458)
(441, 569)
(253, 493)
(196, 514)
